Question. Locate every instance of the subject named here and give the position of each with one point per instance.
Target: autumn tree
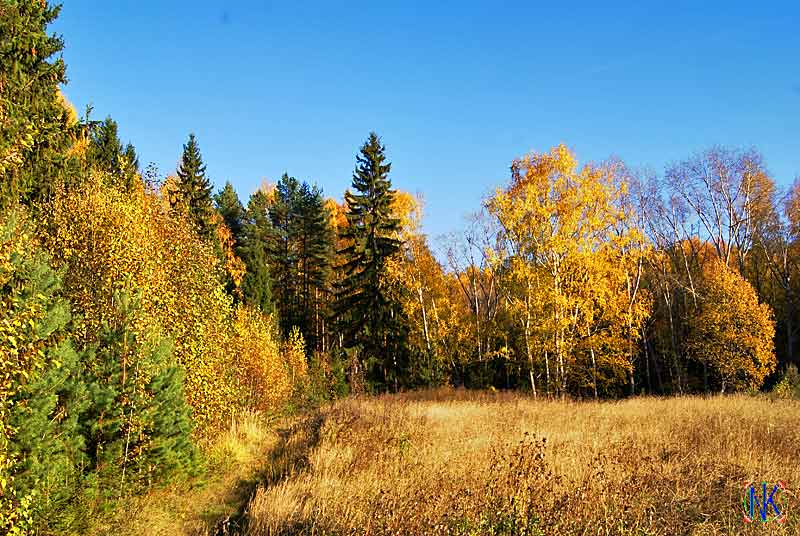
(728, 194)
(732, 331)
(561, 242)
(435, 321)
(369, 317)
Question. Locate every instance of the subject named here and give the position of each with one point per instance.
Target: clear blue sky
(456, 89)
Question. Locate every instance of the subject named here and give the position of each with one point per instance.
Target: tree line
(140, 313)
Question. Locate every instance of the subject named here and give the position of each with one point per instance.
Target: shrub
(39, 392)
(789, 386)
(266, 377)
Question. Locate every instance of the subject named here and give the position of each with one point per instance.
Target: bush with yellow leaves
(268, 373)
(106, 240)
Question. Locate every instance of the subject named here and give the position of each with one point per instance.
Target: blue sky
(456, 89)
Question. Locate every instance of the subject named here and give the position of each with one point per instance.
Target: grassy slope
(208, 505)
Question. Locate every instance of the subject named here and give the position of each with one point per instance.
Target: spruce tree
(35, 127)
(369, 316)
(254, 251)
(106, 154)
(231, 210)
(194, 189)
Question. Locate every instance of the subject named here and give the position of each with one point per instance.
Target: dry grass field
(454, 462)
(480, 463)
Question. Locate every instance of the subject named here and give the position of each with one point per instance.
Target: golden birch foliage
(233, 265)
(108, 241)
(732, 331)
(264, 377)
(564, 234)
(438, 318)
(294, 354)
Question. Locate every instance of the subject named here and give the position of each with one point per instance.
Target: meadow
(471, 463)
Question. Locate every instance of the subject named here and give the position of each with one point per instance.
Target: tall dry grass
(452, 462)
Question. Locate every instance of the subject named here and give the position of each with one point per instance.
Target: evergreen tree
(231, 210)
(194, 189)
(315, 260)
(106, 154)
(137, 409)
(43, 394)
(369, 316)
(35, 125)
(283, 252)
(254, 251)
(300, 257)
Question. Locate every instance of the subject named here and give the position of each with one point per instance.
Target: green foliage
(107, 154)
(369, 316)
(194, 190)
(138, 425)
(39, 396)
(231, 210)
(254, 251)
(327, 378)
(35, 125)
(300, 257)
(789, 385)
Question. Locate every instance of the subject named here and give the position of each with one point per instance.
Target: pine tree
(194, 189)
(369, 316)
(254, 251)
(43, 394)
(231, 210)
(35, 126)
(315, 261)
(300, 256)
(137, 407)
(283, 251)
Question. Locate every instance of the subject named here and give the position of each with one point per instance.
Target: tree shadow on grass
(289, 457)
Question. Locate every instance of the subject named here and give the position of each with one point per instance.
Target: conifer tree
(35, 127)
(107, 154)
(137, 410)
(194, 189)
(231, 210)
(315, 261)
(42, 394)
(300, 256)
(254, 251)
(283, 214)
(369, 316)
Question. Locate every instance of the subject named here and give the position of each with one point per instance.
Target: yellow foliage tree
(731, 330)
(566, 249)
(267, 373)
(109, 241)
